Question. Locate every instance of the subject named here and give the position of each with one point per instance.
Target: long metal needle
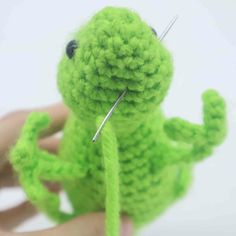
(95, 137)
(168, 28)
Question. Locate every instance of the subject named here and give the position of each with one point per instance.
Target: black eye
(70, 48)
(154, 31)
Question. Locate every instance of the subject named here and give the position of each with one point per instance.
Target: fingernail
(127, 227)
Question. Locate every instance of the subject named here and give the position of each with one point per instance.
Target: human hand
(10, 127)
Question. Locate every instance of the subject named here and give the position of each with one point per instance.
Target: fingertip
(94, 224)
(126, 226)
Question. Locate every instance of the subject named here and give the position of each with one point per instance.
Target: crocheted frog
(142, 162)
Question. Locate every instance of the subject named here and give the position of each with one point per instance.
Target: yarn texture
(143, 162)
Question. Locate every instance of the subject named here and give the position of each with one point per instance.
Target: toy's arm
(48, 166)
(202, 137)
(35, 165)
(53, 169)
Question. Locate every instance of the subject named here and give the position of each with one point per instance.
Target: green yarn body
(147, 185)
(143, 161)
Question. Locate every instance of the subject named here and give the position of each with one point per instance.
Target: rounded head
(114, 51)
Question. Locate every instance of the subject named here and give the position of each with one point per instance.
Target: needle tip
(94, 139)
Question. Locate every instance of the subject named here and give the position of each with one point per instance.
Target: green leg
(111, 163)
(52, 168)
(35, 165)
(43, 199)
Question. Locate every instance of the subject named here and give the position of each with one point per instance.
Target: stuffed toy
(142, 162)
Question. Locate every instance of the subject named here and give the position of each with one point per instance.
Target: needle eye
(70, 48)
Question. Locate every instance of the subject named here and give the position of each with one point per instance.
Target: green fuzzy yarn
(142, 162)
(116, 50)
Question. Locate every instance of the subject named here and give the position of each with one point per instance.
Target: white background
(203, 43)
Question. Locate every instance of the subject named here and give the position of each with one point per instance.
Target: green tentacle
(35, 165)
(111, 163)
(203, 138)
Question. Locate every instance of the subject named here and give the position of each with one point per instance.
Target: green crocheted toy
(142, 162)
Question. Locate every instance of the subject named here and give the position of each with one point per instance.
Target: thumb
(88, 225)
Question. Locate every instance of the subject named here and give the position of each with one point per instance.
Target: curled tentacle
(202, 137)
(23, 153)
(215, 121)
(215, 125)
(27, 158)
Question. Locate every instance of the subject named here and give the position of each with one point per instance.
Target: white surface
(203, 43)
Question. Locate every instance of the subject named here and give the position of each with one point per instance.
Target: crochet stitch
(143, 161)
